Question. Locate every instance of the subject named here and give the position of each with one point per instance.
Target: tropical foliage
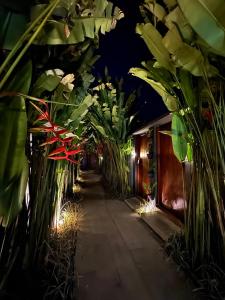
(41, 139)
(110, 122)
(187, 71)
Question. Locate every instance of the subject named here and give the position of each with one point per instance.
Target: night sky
(122, 49)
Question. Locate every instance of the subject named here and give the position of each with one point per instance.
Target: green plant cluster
(110, 121)
(33, 188)
(186, 40)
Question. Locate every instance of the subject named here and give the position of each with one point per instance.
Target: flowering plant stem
(10, 94)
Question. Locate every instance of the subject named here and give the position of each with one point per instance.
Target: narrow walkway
(118, 257)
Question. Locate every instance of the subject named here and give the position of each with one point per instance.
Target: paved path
(118, 257)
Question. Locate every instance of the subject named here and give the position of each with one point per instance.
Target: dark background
(122, 49)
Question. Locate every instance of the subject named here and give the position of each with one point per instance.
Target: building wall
(157, 163)
(170, 175)
(141, 164)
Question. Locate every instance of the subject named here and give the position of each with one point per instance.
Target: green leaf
(186, 56)
(79, 113)
(189, 152)
(12, 26)
(100, 130)
(156, 9)
(170, 3)
(100, 6)
(115, 117)
(36, 10)
(153, 40)
(207, 21)
(83, 27)
(188, 91)
(170, 101)
(192, 60)
(176, 19)
(13, 134)
(179, 134)
(89, 25)
(172, 40)
(45, 83)
(107, 113)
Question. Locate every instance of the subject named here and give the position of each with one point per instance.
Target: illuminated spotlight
(76, 188)
(60, 222)
(133, 154)
(147, 207)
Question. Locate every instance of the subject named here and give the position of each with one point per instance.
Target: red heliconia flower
(63, 157)
(64, 150)
(44, 115)
(62, 131)
(67, 140)
(58, 150)
(50, 141)
(50, 129)
(44, 102)
(57, 132)
(67, 153)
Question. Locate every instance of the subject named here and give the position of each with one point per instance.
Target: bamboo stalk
(23, 38)
(30, 41)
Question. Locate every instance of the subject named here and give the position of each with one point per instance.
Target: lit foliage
(146, 207)
(189, 76)
(110, 122)
(58, 135)
(60, 263)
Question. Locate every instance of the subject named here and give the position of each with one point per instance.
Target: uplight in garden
(147, 207)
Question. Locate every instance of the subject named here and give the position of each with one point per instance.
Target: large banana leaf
(100, 7)
(153, 40)
(176, 19)
(186, 56)
(188, 89)
(12, 26)
(183, 54)
(170, 3)
(155, 8)
(13, 133)
(207, 20)
(78, 113)
(179, 135)
(169, 100)
(45, 83)
(102, 18)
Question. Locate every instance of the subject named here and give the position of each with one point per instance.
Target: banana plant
(13, 133)
(72, 23)
(110, 122)
(68, 104)
(188, 74)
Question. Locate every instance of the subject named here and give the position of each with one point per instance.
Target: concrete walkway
(118, 257)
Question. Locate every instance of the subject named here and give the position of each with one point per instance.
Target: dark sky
(122, 49)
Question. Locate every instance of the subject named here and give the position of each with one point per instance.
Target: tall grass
(115, 169)
(61, 279)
